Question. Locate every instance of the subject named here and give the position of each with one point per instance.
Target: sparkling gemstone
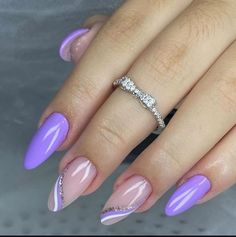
(148, 100)
(132, 87)
(141, 95)
(127, 86)
(124, 83)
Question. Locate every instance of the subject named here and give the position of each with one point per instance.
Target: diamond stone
(136, 92)
(132, 87)
(148, 100)
(141, 95)
(124, 83)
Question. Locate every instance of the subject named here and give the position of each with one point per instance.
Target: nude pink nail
(76, 43)
(127, 198)
(64, 50)
(71, 183)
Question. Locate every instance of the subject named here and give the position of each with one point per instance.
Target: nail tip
(107, 223)
(37, 153)
(27, 167)
(68, 40)
(30, 164)
(103, 222)
(53, 211)
(170, 212)
(187, 195)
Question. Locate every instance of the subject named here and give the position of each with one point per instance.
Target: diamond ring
(147, 101)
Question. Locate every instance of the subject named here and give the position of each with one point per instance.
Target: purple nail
(187, 195)
(66, 43)
(47, 139)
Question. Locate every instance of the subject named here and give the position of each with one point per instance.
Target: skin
(175, 50)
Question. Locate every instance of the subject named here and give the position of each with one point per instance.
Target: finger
(74, 45)
(217, 166)
(110, 54)
(204, 118)
(121, 123)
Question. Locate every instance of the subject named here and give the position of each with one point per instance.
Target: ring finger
(169, 67)
(207, 114)
(118, 43)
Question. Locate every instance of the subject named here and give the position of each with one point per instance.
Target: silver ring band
(148, 101)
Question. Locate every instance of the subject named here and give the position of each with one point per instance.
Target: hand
(173, 50)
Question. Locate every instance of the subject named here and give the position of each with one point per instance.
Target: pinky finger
(213, 174)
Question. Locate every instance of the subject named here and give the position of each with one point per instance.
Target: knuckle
(204, 17)
(226, 90)
(93, 19)
(84, 90)
(167, 62)
(108, 132)
(170, 154)
(122, 25)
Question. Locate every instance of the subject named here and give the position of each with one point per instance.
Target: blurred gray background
(30, 74)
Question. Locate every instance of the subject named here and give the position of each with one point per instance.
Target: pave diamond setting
(148, 101)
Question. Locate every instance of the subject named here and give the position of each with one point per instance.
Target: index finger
(115, 47)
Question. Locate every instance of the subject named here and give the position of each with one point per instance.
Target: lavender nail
(66, 43)
(47, 139)
(187, 195)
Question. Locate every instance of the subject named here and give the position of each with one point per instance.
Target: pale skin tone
(181, 52)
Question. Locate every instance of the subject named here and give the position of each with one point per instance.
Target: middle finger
(175, 60)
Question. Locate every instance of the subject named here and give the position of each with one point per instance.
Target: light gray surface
(30, 74)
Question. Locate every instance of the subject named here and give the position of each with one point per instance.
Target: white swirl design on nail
(112, 213)
(57, 196)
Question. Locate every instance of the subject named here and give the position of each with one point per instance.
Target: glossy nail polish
(187, 195)
(46, 140)
(127, 198)
(65, 47)
(71, 183)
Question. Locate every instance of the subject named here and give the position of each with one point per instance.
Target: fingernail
(71, 183)
(65, 47)
(187, 195)
(127, 198)
(46, 140)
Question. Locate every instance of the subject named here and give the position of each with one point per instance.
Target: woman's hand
(173, 50)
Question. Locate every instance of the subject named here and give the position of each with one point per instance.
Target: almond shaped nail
(71, 183)
(127, 198)
(64, 50)
(187, 195)
(46, 140)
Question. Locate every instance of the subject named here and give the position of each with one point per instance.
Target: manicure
(75, 44)
(71, 183)
(187, 195)
(65, 47)
(127, 198)
(47, 139)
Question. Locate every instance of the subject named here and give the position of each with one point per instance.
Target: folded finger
(212, 175)
(206, 115)
(121, 123)
(74, 45)
(117, 44)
